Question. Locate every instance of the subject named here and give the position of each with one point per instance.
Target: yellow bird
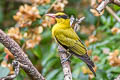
(66, 37)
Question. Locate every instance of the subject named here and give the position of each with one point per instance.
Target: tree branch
(65, 65)
(20, 56)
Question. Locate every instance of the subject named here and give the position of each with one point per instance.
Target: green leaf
(101, 75)
(83, 77)
(36, 23)
(71, 11)
(4, 71)
(60, 76)
(1, 47)
(103, 19)
(52, 74)
(22, 41)
(89, 16)
(1, 16)
(114, 70)
(116, 7)
(43, 9)
(46, 36)
(49, 65)
(37, 51)
(50, 54)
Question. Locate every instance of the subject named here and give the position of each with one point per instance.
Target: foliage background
(99, 34)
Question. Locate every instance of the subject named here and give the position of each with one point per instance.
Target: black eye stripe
(62, 16)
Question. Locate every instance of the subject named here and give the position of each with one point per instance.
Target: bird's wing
(69, 39)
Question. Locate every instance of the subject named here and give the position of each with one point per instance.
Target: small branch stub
(102, 5)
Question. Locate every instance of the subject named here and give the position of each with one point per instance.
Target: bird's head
(60, 17)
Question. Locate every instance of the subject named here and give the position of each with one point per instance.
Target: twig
(71, 20)
(102, 5)
(112, 13)
(20, 56)
(63, 54)
(76, 27)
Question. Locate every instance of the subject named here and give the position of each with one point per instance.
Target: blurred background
(26, 23)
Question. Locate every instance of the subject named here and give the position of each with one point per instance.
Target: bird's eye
(58, 16)
(62, 16)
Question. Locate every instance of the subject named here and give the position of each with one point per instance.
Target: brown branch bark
(20, 56)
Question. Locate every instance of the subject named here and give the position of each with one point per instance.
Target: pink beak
(51, 15)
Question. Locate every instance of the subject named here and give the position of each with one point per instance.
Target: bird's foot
(66, 59)
(62, 51)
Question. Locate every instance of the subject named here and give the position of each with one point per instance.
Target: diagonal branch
(20, 56)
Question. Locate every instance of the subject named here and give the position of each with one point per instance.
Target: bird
(64, 35)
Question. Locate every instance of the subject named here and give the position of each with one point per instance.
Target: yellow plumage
(66, 37)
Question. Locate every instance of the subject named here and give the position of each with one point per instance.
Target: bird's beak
(51, 15)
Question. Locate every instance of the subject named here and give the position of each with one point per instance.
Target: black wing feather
(87, 60)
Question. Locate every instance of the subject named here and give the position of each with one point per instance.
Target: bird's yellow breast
(58, 27)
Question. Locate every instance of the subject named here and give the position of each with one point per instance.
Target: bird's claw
(62, 51)
(64, 60)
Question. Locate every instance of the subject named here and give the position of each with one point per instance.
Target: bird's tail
(91, 68)
(89, 62)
